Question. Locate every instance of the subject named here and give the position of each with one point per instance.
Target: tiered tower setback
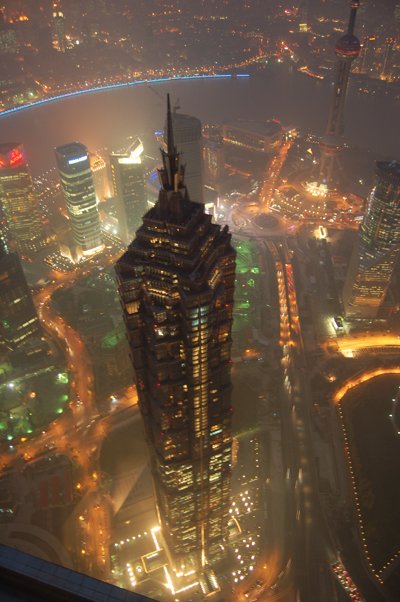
(176, 282)
(347, 48)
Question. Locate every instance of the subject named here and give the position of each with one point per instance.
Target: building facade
(59, 39)
(376, 251)
(19, 201)
(254, 136)
(19, 322)
(80, 198)
(214, 156)
(100, 179)
(176, 282)
(189, 142)
(127, 172)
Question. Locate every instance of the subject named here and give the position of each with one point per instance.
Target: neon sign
(78, 160)
(15, 157)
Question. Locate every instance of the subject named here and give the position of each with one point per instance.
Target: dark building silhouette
(176, 282)
(19, 322)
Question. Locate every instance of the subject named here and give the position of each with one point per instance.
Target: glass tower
(18, 318)
(129, 189)
(176, 282)
(80, 198)
(381, 226)
(189, 142)
(19, 201)
(376, 251)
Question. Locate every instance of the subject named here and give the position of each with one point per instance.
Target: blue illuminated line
(109, 87)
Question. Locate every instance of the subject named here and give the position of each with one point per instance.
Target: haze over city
(199, 300)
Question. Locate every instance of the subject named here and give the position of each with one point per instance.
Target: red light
(2, 164)
(15, 157)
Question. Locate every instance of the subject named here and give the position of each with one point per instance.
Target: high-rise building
(388, 60)
(302, 16)
(368, 53)
(59, 31)
(129, 185)
(377, 247)
(100, 179)
(176, 282)
(19, 201)
(189, 142)
(214, 155)
(80, 198)
(347, 48)
(18, 318)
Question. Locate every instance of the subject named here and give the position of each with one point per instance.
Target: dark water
(106, 118)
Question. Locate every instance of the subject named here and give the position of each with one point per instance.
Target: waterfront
(104, 118)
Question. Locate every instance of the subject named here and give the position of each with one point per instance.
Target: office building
(388, 60)
(59, 31)
(377, 248)
(368, 54)
(100, 179)
(189, 142)
(214, 155)
(254, 136)
(127, 172)
(347, 48)
(19, 201)
(302, 16)
(18, 318)
(80, 198)
(176, 282)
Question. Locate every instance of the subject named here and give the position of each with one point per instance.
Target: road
(271, 177)
(78, 433)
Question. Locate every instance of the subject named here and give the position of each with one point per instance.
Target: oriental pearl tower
(346, 50)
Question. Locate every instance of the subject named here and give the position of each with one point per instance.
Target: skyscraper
(377, 248)
(347, 48)
(18, 318)
(58, 30)
(189, 142)
(100, 179)
(80, 197)
(388, 61)
(214, 160)
(129, 189)
(19, 200)
(176, 282)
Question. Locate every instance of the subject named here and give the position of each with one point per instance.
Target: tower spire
(347, 49)
(354, 5)
(170, 131)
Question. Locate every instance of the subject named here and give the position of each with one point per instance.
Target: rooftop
(73, 149)
(26, 578)
(392, 168)
(268, 128)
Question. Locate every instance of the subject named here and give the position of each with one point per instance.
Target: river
(105, 118)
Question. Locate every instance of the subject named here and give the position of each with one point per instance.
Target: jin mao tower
(347, 48)
(176, 282)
